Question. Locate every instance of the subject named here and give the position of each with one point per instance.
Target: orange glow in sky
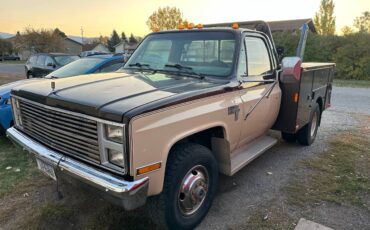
(98, 17)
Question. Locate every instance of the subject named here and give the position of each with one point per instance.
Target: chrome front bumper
(128, 194)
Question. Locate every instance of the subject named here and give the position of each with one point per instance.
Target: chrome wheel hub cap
(313, 124)
(193, 190)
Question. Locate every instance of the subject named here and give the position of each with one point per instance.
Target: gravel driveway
(253, 189)
(12, 69)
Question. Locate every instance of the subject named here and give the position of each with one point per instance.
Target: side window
(258, 57)
(111, 67)
(48, 60)
(32, 59)
(41, 60)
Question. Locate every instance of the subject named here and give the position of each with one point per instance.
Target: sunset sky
(100, 17)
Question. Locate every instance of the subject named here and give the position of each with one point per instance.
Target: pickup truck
(189, 104)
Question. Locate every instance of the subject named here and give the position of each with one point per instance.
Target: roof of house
(73, 40)
(129, 46)
(6, 35)
(87, 47)
(275, 26)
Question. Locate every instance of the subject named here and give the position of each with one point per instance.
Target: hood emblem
(52, 86)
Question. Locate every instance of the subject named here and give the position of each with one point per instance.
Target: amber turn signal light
(296, 97)
(148, 168)
(235, 26)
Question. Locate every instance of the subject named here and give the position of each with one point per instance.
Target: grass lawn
(352, 83)
(12, 62)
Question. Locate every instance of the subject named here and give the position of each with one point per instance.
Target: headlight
(114, 133)
(116, 157)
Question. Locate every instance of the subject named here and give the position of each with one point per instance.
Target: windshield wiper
(189, 70)
(140, 65)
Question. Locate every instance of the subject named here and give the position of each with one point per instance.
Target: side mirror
(51, 65)
(280, 51)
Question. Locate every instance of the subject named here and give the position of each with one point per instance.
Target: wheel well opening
(204, 137)
(321, 104)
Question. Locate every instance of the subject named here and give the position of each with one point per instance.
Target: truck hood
(111, 95)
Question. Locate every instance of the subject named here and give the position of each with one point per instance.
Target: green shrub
(351, 53)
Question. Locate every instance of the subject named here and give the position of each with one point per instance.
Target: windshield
(64, 60)
(78, 67)
(206, 53)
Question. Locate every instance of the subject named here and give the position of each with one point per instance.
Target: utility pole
(82, 35)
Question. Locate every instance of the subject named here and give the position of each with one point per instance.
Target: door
(260, 92)
(39, 66)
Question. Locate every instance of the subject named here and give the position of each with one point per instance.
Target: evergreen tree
(324, 19)
(113, 40)
(132, 39)
(123, 37)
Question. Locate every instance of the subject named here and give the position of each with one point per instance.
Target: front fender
(152, 135)
(6, 116)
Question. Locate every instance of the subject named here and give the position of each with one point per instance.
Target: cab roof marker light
(235, 26)
(180, 27)
(190, 26)
(200, 26)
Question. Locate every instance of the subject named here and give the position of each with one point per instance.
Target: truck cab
(188, 104)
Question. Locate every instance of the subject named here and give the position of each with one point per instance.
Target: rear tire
(189, 188)
(306, 136)
(289, 137)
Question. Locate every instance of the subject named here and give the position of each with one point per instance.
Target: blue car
(88, 65)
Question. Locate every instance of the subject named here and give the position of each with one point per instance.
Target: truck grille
(69, 134)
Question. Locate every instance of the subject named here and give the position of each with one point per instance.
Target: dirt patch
(7, 78)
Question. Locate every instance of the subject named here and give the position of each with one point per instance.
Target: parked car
(89, 65)
(6, 116)
(90, 53)
(188, 105)
(39, 65)
(10, 57)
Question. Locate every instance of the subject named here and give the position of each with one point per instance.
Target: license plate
(47, 169)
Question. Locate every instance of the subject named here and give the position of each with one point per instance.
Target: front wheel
(189, 188)
(30, 76)
(307, 135)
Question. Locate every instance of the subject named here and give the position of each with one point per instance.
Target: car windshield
(77, 67)
(64, 60)
(206, 53)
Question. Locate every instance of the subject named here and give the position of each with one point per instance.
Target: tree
(41, 40)
(132, 39)
(362, 23)
(346, 30)
(166, 18)
(324, 19)
(123, 37)
(60, 33)
(113, 40)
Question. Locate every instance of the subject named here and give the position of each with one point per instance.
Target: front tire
(189, 188)
(29, 75)
(306, 136)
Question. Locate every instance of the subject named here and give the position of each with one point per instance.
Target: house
(96, 47)
(275, 26)
(72, 46)
(124, 47)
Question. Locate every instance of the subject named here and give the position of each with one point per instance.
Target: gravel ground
(12, 69)
(252, 189)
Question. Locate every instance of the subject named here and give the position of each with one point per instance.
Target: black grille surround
(68, 134)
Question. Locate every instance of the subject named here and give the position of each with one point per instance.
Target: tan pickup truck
(189, 104)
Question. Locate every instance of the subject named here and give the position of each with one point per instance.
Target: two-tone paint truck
(188, 105)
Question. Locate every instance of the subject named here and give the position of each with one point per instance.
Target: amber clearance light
(180, 27)
(235, 26)
(148, 168)
(200, 26)
(190, 26)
